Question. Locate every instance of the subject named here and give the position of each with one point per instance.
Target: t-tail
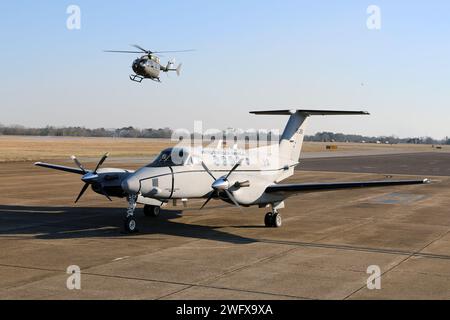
(291, 141)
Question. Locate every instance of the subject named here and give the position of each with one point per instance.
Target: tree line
(166, 133)
(341, 137)
(126, 132)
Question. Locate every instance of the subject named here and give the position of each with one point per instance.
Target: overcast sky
(250, 55)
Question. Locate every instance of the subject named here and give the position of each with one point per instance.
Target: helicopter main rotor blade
(174, 51)
(142, 49)
(83, 190)
(121, 51)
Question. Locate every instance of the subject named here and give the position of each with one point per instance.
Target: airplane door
(173, 182)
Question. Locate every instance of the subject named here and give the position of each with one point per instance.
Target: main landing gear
(273, 220)
(151, 211)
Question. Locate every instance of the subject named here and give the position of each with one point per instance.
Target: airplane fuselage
(193, 181)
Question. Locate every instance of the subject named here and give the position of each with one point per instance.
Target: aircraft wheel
(130, 225)
(268, 220)
(151, 211)
(277, 221)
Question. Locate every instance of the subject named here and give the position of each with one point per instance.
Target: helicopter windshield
(171, 157)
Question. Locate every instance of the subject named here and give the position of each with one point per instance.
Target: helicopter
(149, 66)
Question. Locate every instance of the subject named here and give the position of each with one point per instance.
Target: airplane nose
(131, 185)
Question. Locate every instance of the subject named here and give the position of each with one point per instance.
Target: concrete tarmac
(323, 250)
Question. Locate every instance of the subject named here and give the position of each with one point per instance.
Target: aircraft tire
(130, 225)
(151, 211)
(277, 221)
(268, 220)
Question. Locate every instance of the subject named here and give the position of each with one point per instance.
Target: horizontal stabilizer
(310, 112)
(315, 187)
(60, 168)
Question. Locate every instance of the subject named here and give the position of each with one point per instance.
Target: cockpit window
(170, 158)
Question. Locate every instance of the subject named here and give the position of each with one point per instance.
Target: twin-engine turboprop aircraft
(240, 177)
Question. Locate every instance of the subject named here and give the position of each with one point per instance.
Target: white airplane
(237, 176)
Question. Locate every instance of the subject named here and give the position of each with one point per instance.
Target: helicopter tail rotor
(170, 64)
(178, 70)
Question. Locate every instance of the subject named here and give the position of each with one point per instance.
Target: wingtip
(426, 181)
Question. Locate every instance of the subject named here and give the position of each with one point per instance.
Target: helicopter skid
(138, 79)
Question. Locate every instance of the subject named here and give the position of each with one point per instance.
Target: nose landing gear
(130, 225)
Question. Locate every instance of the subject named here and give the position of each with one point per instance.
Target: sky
(250, 55)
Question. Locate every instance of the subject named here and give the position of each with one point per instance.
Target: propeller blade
(105, 156)
(230, 195)
(83, 190)
(234, 168)
(207, 170)
(78, 163)
(106, 195)
(211, 195)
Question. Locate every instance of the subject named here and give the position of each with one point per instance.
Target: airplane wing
(293, 189)
(60, 168)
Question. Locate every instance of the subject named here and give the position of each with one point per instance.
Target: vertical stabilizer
(291, 141)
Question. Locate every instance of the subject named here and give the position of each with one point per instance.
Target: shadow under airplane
(75, 222)
(50, 223)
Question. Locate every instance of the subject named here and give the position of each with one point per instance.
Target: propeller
(90, 177)
(223, 184)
